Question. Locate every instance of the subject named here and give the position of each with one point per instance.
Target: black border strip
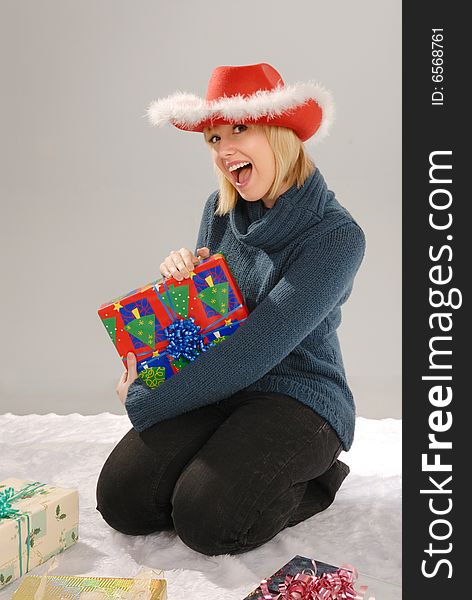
(436, 267)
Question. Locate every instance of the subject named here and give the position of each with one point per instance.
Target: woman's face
(234, 144)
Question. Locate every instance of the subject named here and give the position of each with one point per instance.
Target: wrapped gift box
(63, 587)
(371, 586)
(167, 323)
(37, 521)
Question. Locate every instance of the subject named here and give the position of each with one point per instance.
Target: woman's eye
(210, 141)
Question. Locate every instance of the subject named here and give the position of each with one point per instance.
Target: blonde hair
(292, 166)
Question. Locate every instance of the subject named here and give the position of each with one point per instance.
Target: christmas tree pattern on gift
(214, 292)
(140, 322)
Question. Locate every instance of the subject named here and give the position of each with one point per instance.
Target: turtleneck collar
(294, 211)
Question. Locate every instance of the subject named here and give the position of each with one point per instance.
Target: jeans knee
(202, 519)
(195, 527)
(110, 502)
(122, 502)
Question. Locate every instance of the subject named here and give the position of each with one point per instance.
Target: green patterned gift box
(37, 521)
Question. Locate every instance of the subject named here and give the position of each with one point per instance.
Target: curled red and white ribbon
(337, 585)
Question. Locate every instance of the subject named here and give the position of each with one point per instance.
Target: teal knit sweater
(295, 264)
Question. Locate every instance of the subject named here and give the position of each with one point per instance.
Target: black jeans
(228, 477)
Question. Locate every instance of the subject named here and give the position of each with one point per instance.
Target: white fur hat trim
(188, 110)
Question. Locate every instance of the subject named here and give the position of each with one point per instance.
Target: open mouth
(242, 175)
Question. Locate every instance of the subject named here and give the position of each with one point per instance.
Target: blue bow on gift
(186, 339)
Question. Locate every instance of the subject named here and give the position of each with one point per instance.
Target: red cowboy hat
(254, 93)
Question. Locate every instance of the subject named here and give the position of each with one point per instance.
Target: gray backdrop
(93, 198)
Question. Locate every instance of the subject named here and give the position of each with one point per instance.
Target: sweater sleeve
(320, 279)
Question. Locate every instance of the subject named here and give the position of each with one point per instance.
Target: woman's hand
(181, 262)
(127, 378)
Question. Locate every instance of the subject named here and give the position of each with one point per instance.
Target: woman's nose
(226, 148)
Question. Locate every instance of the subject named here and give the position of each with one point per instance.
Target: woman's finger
(203, 252)
(187, 257)
(170, 269)
(176, 266)
(132, 371)
(180, 263)
(121, 382)
(164, 270)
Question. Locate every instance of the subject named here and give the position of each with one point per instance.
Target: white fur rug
(362, 527)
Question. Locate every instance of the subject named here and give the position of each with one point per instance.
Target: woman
(244, 441)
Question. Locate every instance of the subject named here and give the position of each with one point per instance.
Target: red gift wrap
(168, 323)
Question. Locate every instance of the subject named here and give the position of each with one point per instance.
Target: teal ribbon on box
(7, 497)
